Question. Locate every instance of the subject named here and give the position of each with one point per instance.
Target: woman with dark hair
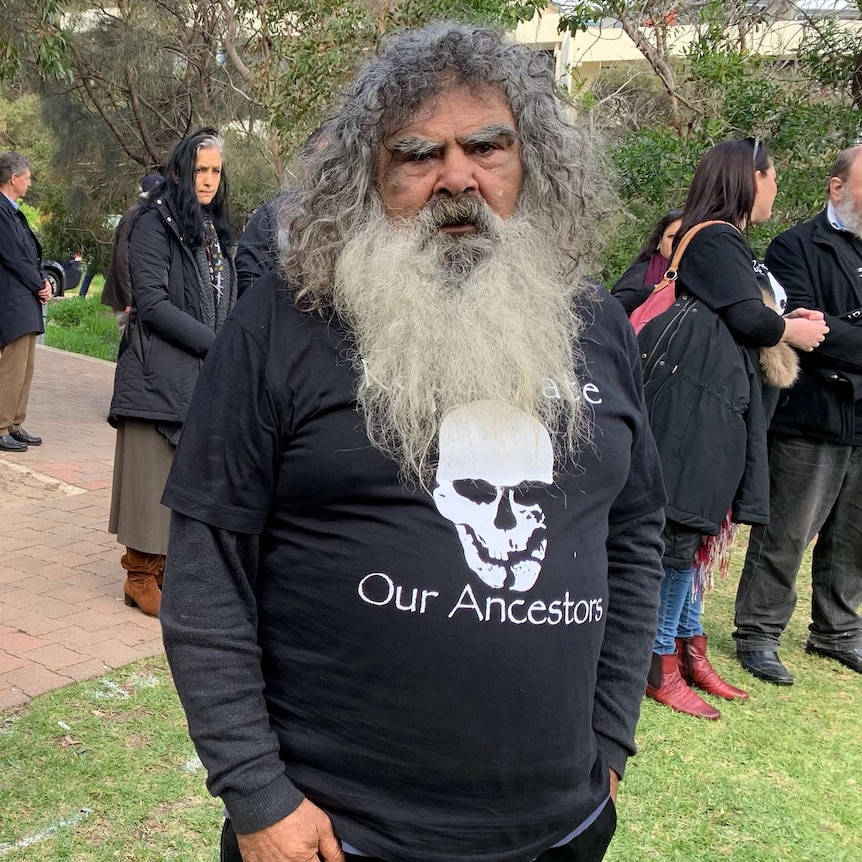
(650, 264)
(183, 286)
(709, 361)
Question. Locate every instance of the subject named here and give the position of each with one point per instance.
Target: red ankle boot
(695, 669)
(672, 690)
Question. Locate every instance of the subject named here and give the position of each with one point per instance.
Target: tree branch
(230, 43)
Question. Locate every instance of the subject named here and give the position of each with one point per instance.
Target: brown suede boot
(695, 669)
(672, 690)
(141, 589)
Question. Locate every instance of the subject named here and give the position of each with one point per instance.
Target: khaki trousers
(17, 362)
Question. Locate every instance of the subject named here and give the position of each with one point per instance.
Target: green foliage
(305, 51)
(507, 13)
(31, 31)
(33, 216)
(579, 16)
(728, 92)
(83, 326)
(833, 56)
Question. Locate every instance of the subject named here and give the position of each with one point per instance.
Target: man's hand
(615, 782)
(45, 292)
(304, 836)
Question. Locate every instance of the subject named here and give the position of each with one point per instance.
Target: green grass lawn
(103, 770)
(83, 325)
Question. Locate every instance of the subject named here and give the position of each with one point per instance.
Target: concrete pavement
(62, 616)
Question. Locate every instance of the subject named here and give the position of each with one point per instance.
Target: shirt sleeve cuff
(615, 755)
(255, 811)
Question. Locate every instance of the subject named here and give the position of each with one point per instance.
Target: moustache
(463, 210)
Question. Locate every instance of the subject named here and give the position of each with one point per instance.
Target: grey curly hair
(565, 188)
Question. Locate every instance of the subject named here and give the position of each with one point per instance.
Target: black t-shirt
(429, 660)
(718, 268)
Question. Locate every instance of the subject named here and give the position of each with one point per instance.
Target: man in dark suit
(23, 291)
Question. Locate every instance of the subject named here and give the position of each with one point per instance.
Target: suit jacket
(20, 276)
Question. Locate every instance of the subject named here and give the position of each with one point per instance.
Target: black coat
(821, 268)
(703, 391)
(257, 250)
(630, 289)
(117, 292)
(165, 340)
(20, 276)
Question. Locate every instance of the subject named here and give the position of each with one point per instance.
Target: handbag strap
(673, 267)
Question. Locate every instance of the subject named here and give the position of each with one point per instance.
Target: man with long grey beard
(414, 564)
(816, 432)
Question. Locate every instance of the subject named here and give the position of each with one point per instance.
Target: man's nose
(457, 175)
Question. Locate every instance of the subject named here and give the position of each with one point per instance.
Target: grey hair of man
(843, 163)
(565, 189)
(12, 164)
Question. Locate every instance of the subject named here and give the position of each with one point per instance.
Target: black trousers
(589, 846)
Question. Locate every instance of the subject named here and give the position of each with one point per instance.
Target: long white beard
(439, 324)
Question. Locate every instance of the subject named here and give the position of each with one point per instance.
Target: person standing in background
(117, 293)
(650, 264)
(183, 287)
(816, 433)
(707, 361)
(23, 292)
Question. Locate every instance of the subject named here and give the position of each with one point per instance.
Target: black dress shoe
(9, 444)
(851, 658)
(23, 437)
(765, 665)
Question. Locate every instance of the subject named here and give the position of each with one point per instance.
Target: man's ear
(835, 186)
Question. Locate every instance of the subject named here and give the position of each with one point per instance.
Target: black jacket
(257, 250)
(821, 268)
(117, 292)
(703, 393)
(630, 289)
(20, 276)
(165, 340)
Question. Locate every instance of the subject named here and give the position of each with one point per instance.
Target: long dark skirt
(142, 461)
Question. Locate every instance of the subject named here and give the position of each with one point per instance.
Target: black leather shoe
(851, 658)
(9, 444)
(765, 665)
(23, 437)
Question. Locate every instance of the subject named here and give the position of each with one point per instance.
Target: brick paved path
(62, 616)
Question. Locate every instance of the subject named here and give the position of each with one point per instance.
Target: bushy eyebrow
(490, 134)
(412, 145)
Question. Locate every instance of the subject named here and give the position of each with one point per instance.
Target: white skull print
(494, 462)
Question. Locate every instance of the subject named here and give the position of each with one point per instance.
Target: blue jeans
(679, 612)
(815, 488)
(85, 284)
